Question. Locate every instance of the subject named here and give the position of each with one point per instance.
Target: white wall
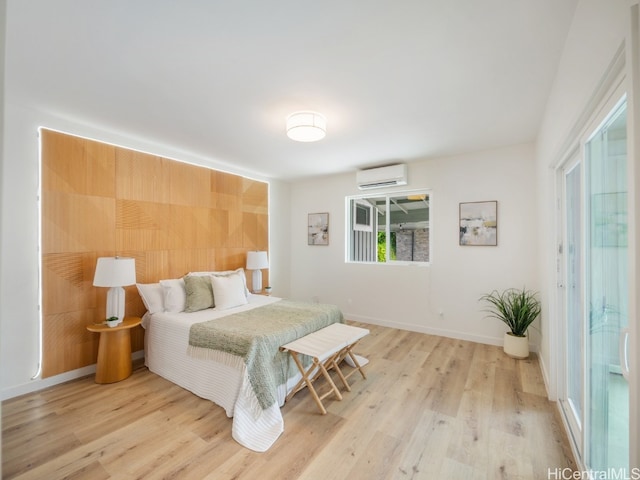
(597, 31)
(19, 296)
(411, 297)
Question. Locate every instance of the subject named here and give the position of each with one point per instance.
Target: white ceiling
(397, 80)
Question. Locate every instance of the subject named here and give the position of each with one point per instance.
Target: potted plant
(517, 309)
(267, 290)
(112, 321)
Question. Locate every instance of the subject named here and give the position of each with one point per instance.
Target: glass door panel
(574, 313)
(606, 302)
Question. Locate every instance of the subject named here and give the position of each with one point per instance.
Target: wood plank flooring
(430, 408)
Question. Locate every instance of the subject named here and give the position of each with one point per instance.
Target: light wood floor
(431, 408)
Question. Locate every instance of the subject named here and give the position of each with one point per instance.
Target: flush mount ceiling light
(306, 126)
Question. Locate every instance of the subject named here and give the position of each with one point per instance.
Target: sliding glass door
(574, 314)
(607, 294)
(595, 294)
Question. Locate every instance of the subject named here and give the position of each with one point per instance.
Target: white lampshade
(257, 260)
(115, 272)
(306, 126)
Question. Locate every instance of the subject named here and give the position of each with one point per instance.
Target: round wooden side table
(114, 350)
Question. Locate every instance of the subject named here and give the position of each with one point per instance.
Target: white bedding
(224, 383)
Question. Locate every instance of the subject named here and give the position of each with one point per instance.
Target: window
(387, 228)
(362, 216)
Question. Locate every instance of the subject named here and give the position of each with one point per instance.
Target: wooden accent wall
(102, 200)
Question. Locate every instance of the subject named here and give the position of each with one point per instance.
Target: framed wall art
(318, 229)
(479, 223)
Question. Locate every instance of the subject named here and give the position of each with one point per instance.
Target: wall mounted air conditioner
(388, 176)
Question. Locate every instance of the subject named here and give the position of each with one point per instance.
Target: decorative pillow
(152, 296)
(175, 295)
(227, 272)
(199, 292)
(228, 290)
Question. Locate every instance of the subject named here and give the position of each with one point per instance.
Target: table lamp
(115, 272)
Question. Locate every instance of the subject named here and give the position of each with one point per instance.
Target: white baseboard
(42, 383)
(440, 332)
(551, 392)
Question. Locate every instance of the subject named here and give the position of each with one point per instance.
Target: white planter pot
(516, 347)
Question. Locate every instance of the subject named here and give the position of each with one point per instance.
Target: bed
(173, 352)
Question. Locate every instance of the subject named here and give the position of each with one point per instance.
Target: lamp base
(115, 304)
(256, 281)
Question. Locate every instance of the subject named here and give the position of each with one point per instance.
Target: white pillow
(228, 290)
(152, 296)
(227, 272)
(175, 295)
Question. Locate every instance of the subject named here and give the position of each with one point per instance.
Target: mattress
(224, 380)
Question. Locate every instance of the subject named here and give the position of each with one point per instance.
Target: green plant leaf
(518, 309)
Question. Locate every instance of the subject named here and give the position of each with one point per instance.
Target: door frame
(615, 84)
(633, 160)
(575, 430)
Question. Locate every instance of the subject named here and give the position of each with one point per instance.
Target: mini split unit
(388, 176)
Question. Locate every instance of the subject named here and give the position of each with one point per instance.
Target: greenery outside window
(389, 228)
